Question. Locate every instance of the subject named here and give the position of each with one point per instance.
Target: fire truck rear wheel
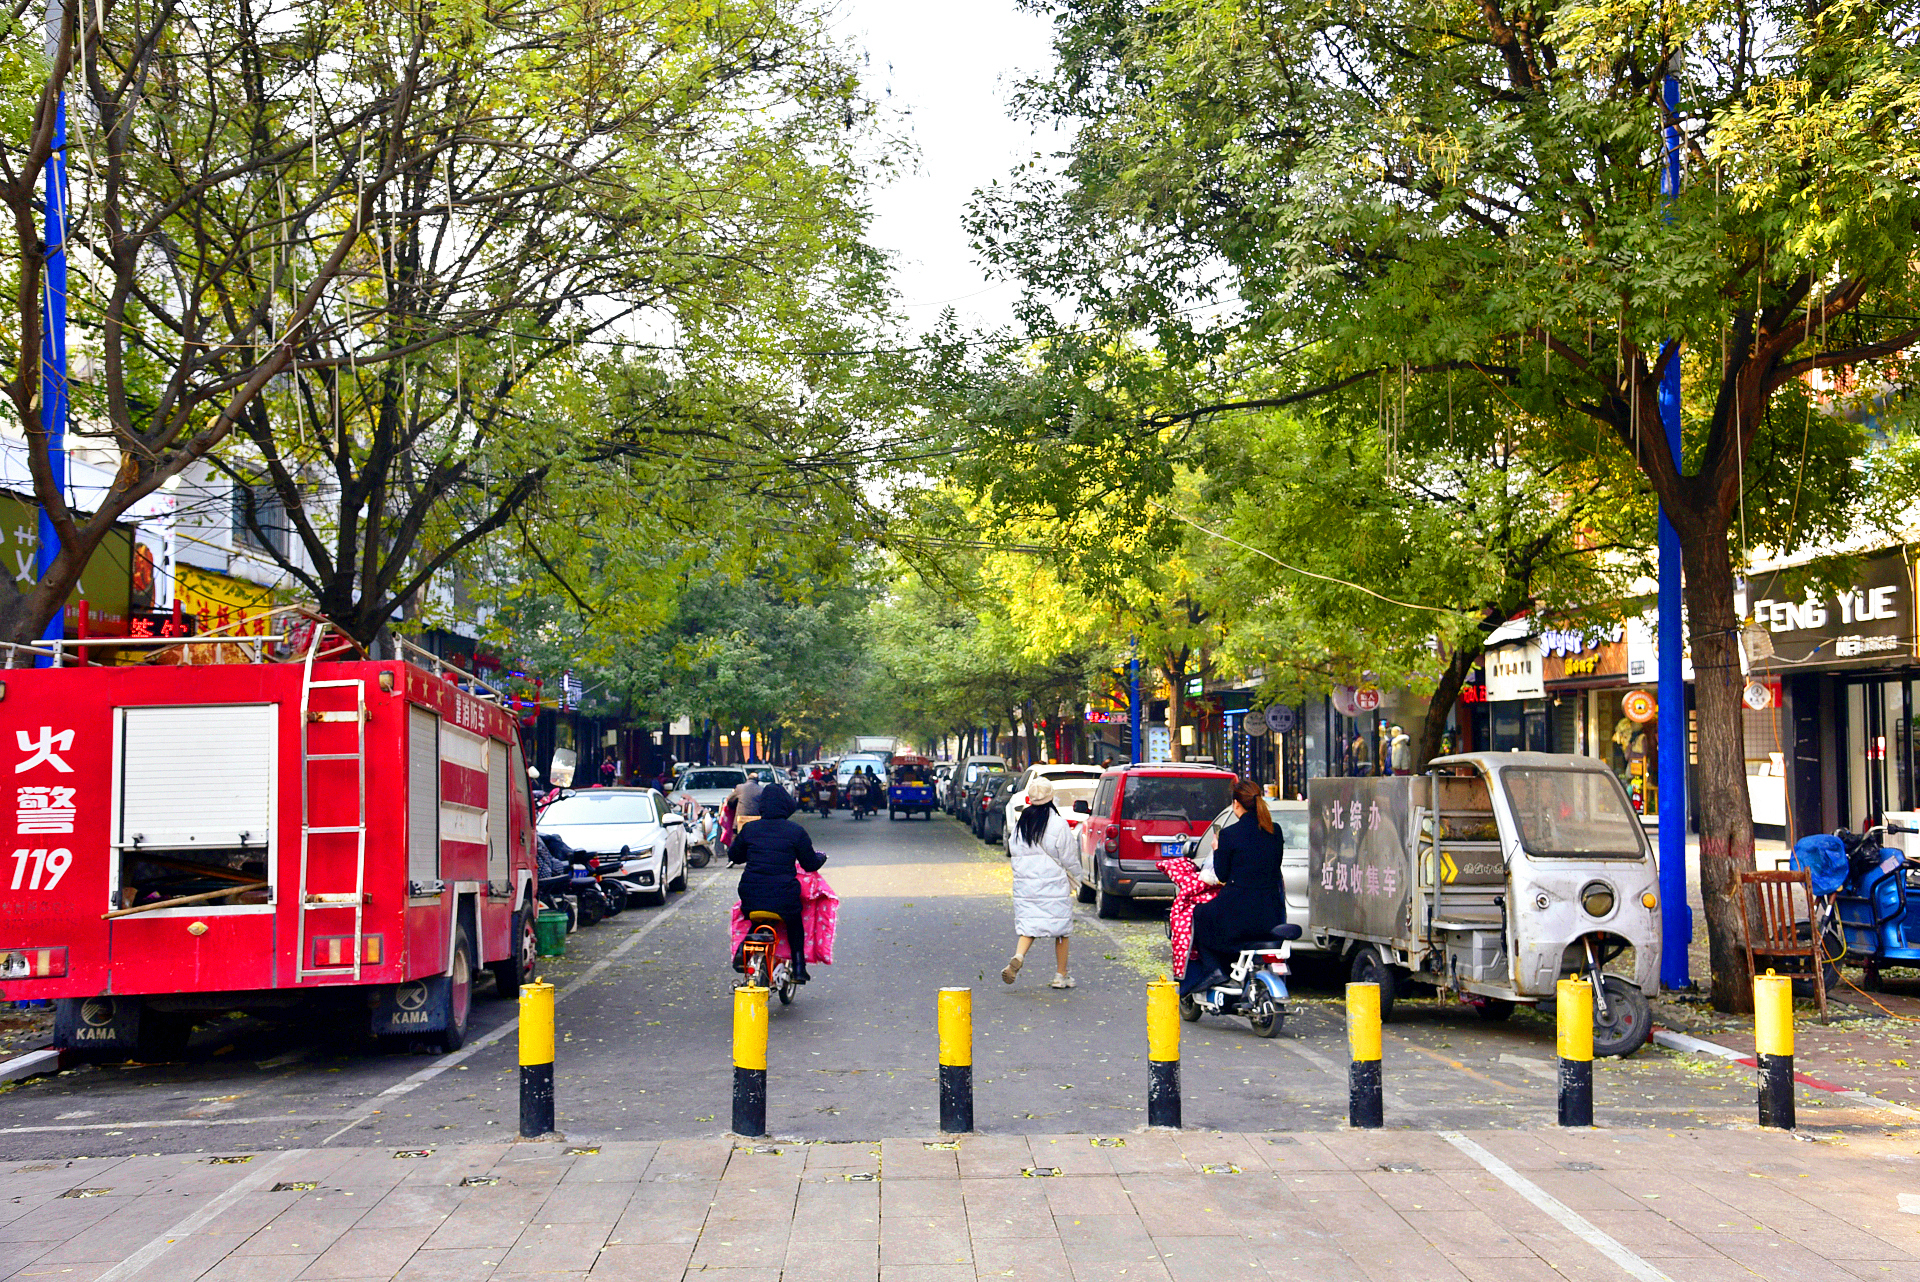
(460, 995)
(510, 973)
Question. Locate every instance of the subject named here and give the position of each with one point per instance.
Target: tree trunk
(1175, 668)
(1445, 695)
(1724, 806)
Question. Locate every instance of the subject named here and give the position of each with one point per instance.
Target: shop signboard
(1871, 620)
(1515, 671)
(1583, 657)
(106, 584)
(1643, 651)
(222, 602)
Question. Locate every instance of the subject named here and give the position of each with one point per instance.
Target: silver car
(1290, 820)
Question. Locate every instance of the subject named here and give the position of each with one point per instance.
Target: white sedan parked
(631, 829)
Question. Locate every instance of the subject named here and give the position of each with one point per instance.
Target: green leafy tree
(375, 259)
(1411, 192)
(1363, 563)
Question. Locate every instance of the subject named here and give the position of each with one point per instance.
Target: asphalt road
(645, 1020)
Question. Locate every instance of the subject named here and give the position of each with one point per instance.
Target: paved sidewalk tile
(1162, 1207)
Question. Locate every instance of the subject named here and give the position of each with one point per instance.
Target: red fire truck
(273, 837)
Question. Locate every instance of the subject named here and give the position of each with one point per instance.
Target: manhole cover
(296, 1186)
(1580, 1166)
(1402, 1168)
(479, 1181)
(1279, 1139)
(585, 1150)
(230, 1161)
(1219, 1168)
(86, 1192)
(412, 1152)
(1102, 1141)
(1039, 1172)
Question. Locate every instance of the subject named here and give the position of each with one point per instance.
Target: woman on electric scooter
(1246, 862)
(770, 847)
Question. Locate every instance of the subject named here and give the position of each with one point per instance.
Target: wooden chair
(1775, 936)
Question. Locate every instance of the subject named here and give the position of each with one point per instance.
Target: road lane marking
(172, 1122)
(1475, 1074)
(1566, 1216)
(414, 1081)
(255, 1177)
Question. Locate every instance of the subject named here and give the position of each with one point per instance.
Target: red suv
(1136, 811)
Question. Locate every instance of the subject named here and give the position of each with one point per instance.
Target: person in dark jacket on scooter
(1246, 861)
(770, 847)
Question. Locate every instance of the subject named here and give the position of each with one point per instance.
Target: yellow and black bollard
(1773, 1040)
(1573, 1014)
(750, 1061)
(536, 1059)
(1364, 1107)
(956, 1060)
(1163, 1053)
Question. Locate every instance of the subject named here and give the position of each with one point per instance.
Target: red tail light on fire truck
(33, 963)
(337, 950)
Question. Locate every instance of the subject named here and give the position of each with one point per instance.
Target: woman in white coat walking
(1046, 877)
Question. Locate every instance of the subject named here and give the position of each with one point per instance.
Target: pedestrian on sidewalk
(1046, 880)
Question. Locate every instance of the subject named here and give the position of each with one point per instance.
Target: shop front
(107, 585)
(1593, 711)
(1516, 702)
(1843, 661)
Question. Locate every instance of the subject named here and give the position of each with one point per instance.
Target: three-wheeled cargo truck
(1491, 877)
(286, 838)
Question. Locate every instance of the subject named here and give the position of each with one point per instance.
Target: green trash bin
(550, 933)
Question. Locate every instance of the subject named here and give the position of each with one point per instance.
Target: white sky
(951, 69)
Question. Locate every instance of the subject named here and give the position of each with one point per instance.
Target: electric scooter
(1256, 985)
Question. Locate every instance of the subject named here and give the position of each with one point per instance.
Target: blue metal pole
(53, 356)
(1133, 696)
(1676, 916)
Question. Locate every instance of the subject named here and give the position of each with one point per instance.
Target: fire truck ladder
(357, 898)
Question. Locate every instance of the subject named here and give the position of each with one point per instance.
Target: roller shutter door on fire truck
(497, 817)
(197, 777)
(423, 797)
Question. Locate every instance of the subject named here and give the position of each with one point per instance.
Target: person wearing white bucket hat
(1046, 877)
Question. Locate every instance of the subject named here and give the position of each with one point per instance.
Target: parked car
(1290, 821)
(973, 798)
(1136, 811)
(992, 827)
(1071, 783)
(709, 785)
(968, 772)
(605, 822)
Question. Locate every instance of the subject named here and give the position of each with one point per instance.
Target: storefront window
(1880, 749)
(1633, 751)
